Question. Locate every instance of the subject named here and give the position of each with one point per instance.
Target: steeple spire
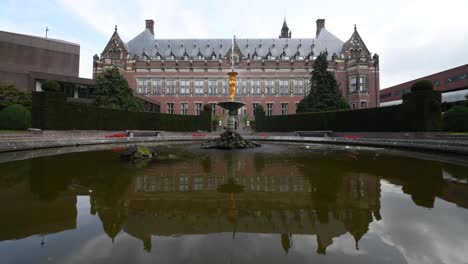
(285, 32)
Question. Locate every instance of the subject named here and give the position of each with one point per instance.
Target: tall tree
(112, 91)
(325, 94)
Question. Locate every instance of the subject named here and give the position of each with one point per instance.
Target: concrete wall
(23, 54)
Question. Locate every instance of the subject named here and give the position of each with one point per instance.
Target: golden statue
(232, 85)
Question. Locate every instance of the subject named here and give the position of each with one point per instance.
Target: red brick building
(185, 74)
(452, 83)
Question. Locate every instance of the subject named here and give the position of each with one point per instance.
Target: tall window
(170, 108)
(223, 87)
(243, 88)
(198, 107)
(170, 87)
(298, 87)
(199, 85)
(141, 86)
(362, 83)
(157, 86)
(184, 87)
(212, 87)
(284, 108)
(184, 108)
(270, 87)
(284, 87)
(363, 104)
(254, 106)
(255, 87)
(269, 110)
(352, 84)
(213, 108)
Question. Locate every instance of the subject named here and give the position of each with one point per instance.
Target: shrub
(422, 85)
(207, 107)
(51, 86)
(456, 119)
(259, 108)
(15, 117)
(9, 95)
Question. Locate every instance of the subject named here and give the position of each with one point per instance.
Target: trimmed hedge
(456, 119)
(420, 111)
(422, 85)
(50, 111)
(15, 117)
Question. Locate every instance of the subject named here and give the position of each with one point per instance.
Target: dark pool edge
(460, 148)
(443, 146)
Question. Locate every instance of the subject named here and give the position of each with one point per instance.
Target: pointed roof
(355, 41)
(116, 43)
(285, 25)
(285, 32)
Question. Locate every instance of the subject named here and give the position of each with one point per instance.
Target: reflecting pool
(275, 204)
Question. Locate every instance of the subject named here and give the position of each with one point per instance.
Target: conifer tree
(112, 91)
(325, 93)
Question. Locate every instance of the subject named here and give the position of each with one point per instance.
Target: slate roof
(146, 44)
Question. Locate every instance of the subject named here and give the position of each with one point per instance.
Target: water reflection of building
(279, 198)
(23, 215)
(192, 176)
(282, 195)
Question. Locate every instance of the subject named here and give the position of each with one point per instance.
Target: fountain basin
(231, 105)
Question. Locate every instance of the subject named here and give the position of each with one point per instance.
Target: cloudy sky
(414, 38)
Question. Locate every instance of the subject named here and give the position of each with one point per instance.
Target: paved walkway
(438, 142)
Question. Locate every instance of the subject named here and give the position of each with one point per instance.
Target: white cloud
(413, 38)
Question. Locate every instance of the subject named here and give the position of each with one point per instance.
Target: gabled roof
(145, 42)
(360, 43)
(115, 43)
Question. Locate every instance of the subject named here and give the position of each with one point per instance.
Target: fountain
(230, 139)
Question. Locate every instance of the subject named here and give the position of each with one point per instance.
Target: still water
(275, 204)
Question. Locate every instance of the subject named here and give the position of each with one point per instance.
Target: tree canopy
(325, 93)
(10, 95)
(112, 91)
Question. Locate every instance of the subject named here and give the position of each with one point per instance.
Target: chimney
(320, 25)
(150, 25)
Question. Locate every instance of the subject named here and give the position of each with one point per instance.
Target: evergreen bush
(9, 95)
(15, 117)
(456, 119)
(422, 85)
(207, 107)
(51, 86)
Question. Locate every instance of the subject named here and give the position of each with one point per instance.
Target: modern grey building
(25, 55)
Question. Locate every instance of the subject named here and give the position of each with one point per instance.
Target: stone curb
(456, 147)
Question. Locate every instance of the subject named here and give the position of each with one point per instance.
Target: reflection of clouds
(423, 236)
(96, 248)
(345, 244)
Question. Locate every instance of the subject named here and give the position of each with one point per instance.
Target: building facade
(25, 55)
(453, 83)
(185, 74)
